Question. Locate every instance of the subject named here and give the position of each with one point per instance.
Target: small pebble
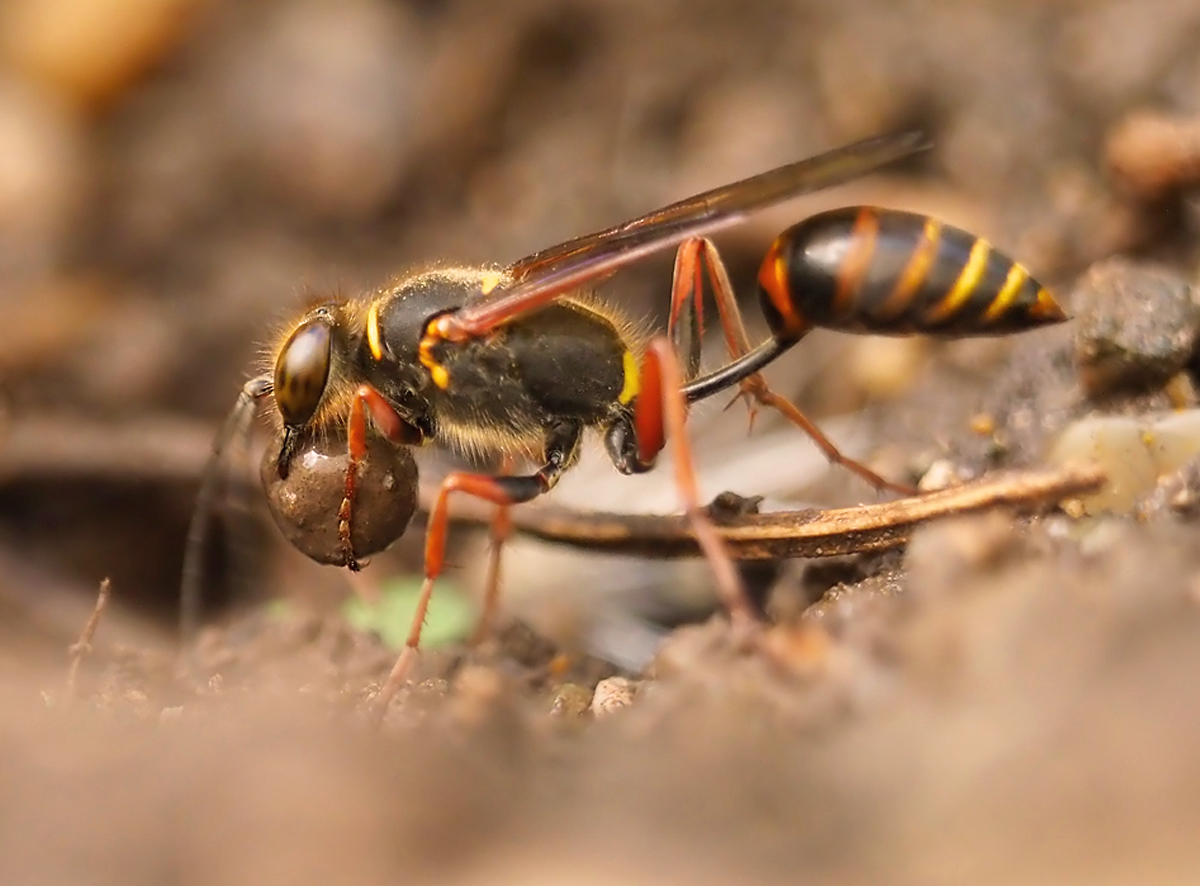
(1116, 443)
(1136, 326)
(942, 474)
(1177, 493)
(1073, 508)
(1134, 452)
(1181, 392)
(571, 700)
(611, 695)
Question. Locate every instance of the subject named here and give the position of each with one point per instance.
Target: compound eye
(302, 371)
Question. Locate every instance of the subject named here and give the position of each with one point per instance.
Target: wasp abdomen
(865, 269)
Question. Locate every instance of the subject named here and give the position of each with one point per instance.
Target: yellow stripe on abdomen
(1007, 294)
(967, 283)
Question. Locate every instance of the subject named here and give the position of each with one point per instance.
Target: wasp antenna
(236, 428)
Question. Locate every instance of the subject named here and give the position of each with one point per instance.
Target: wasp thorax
(302, 371)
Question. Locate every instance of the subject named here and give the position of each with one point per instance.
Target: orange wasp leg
(499, 531)
(660, 413)
(687, 288)
(754, 388)
(562, 448)
(393, 427)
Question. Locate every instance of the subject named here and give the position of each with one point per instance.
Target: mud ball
(305, 505)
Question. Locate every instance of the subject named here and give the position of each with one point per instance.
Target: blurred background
(177, 176)
(1003, 703)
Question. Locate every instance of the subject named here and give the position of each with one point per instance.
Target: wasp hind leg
(562, 449)
(634, 441)
(694, 258)
(499, 530)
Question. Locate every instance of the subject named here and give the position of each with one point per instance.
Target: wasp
(522, 359)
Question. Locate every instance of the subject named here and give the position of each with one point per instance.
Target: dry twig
(805, 533)
(69, 446)
(83, 645)
(161, 449)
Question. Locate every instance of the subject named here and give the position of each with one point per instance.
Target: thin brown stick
(73, 447)
(66, 446)
(83, 645)
(805, 533)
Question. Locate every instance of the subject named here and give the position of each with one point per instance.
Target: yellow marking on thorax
(964, 286)
(489, 281)
(373, 339)
(1007, 294)
(633, 381)
(437, 371)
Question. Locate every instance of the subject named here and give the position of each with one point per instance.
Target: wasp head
(301, 376)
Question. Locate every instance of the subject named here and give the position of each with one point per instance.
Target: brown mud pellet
(305, 505)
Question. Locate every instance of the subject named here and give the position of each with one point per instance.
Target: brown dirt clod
(1136, 325)
(305, 505)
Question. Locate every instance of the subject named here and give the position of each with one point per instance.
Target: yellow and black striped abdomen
(864, 269)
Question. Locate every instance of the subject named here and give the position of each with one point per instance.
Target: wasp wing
(540, 278)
